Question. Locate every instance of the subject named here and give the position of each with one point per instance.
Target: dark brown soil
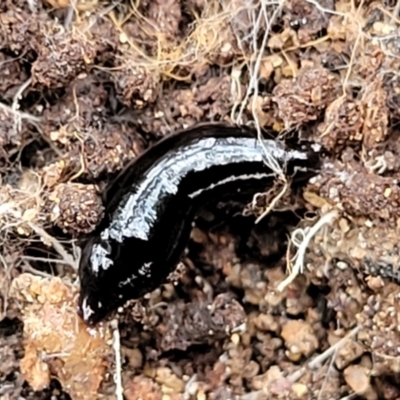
(86, 86)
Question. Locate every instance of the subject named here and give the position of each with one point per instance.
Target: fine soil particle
(86, 86)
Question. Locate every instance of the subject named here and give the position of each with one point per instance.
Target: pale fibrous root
(302, 244)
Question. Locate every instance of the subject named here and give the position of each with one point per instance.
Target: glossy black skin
(170, 234)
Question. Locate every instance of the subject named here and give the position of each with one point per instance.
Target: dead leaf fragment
(56, 339)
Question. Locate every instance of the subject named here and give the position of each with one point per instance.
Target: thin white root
(273, 202)
(27, 268)
(325, 10)
(319, 360)
(299, 258)
(70, 15)
(119, 391)
(378, 165)
(254, 66)
(396, 12)
(67, 258)
(8, 278)
(312, 365)
(190, 388)
(15, 104)
(349, 397)
(32, 5)
(8, 209)
(45, 260)
(19, 114)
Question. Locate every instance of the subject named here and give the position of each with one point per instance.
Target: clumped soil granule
(86, 86)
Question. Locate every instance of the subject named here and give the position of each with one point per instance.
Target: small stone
(299, 389)
(299, 338)
(349, 352)
(357, 377)
(266, 322)
(169, 381)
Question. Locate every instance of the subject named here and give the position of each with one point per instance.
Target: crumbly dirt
(86, 86)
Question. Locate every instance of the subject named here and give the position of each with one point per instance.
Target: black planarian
(151, 206)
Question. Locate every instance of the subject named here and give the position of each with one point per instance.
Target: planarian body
(151, 206)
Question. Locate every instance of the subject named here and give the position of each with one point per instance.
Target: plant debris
(56, 341)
